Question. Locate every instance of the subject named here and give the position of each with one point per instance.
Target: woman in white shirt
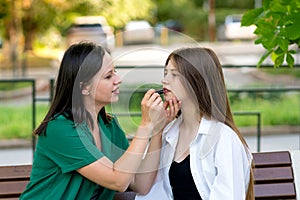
(203, 155)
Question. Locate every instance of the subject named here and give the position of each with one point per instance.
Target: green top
(63, 150)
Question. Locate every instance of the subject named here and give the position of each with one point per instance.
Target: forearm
(146, 175)
(118, 175)
(129, 163)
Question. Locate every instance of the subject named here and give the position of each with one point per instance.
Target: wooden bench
(13, 180)
(273, 174)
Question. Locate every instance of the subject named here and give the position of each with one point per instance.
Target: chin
(114, 100)
(168, 97)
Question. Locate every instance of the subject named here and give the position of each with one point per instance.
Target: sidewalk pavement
(22, 154)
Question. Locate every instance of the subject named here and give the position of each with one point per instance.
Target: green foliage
(278, 29)
(3, 8)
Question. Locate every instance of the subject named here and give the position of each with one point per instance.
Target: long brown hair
(203, 72)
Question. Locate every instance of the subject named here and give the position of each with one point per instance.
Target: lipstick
(161, 91)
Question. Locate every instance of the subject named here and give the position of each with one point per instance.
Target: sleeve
(233, 168)
(68, 146)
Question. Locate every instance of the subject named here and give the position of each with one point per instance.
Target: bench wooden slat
(15, 172)
(12, 189)
(273, 174)
(275, 191)
(269, 159)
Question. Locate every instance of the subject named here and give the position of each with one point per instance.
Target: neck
(94, 110)
(190, 114)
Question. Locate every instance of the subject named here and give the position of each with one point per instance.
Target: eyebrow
(172, 69)
(110, 71)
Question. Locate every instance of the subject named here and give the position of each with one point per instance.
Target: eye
(165, 72)
(108, 76)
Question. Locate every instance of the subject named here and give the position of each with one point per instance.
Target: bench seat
(273, 176)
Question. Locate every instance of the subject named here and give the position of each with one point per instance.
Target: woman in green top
(81, 151)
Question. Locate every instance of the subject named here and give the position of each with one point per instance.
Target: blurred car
(234, 31)
(138, 32)
(91, 28)
(174, 25)
(171, 24)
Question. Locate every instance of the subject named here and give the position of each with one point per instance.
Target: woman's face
(105, 84)
(172, 84)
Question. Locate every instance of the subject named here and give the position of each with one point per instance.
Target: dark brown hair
(79, 64)
(203, 78)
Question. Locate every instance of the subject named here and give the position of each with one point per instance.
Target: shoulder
(229, 132)
(229, 140)
(61, 120)
(60, 124)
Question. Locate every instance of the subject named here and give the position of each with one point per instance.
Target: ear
(85, 90)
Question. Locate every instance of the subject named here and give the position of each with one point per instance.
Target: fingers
(151, 98)
(147, 96)
(172, 107)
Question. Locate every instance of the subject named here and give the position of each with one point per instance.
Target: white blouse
(220, 164)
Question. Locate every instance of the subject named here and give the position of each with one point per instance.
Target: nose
(164, 80)
(118, 80)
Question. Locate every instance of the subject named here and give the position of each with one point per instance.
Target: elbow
(144, 191)
(121, 187)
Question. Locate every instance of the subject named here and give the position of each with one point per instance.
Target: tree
(24, 20)
(277, 28)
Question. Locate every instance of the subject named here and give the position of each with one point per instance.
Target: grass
(284, 110)
(9, 86)
(17, 121)
(279, 110)
(283, 70)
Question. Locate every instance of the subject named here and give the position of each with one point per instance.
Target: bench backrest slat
(275, 191)
(15, 172)
(12, 189)
(269, 159)
(273, 174)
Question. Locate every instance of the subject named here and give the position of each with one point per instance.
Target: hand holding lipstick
(157, 112)
(161, 91)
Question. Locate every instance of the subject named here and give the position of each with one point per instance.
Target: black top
(182, 182)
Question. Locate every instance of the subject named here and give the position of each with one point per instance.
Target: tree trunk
(212, 21)
(14, 33)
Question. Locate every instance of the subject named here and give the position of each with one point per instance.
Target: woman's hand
(152, 108)
(172, 108)
(157, 113)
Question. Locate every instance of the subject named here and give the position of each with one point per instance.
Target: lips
(166, 90)
(116, 91)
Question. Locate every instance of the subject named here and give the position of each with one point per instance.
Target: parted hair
(79, 64)
(202, 76)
